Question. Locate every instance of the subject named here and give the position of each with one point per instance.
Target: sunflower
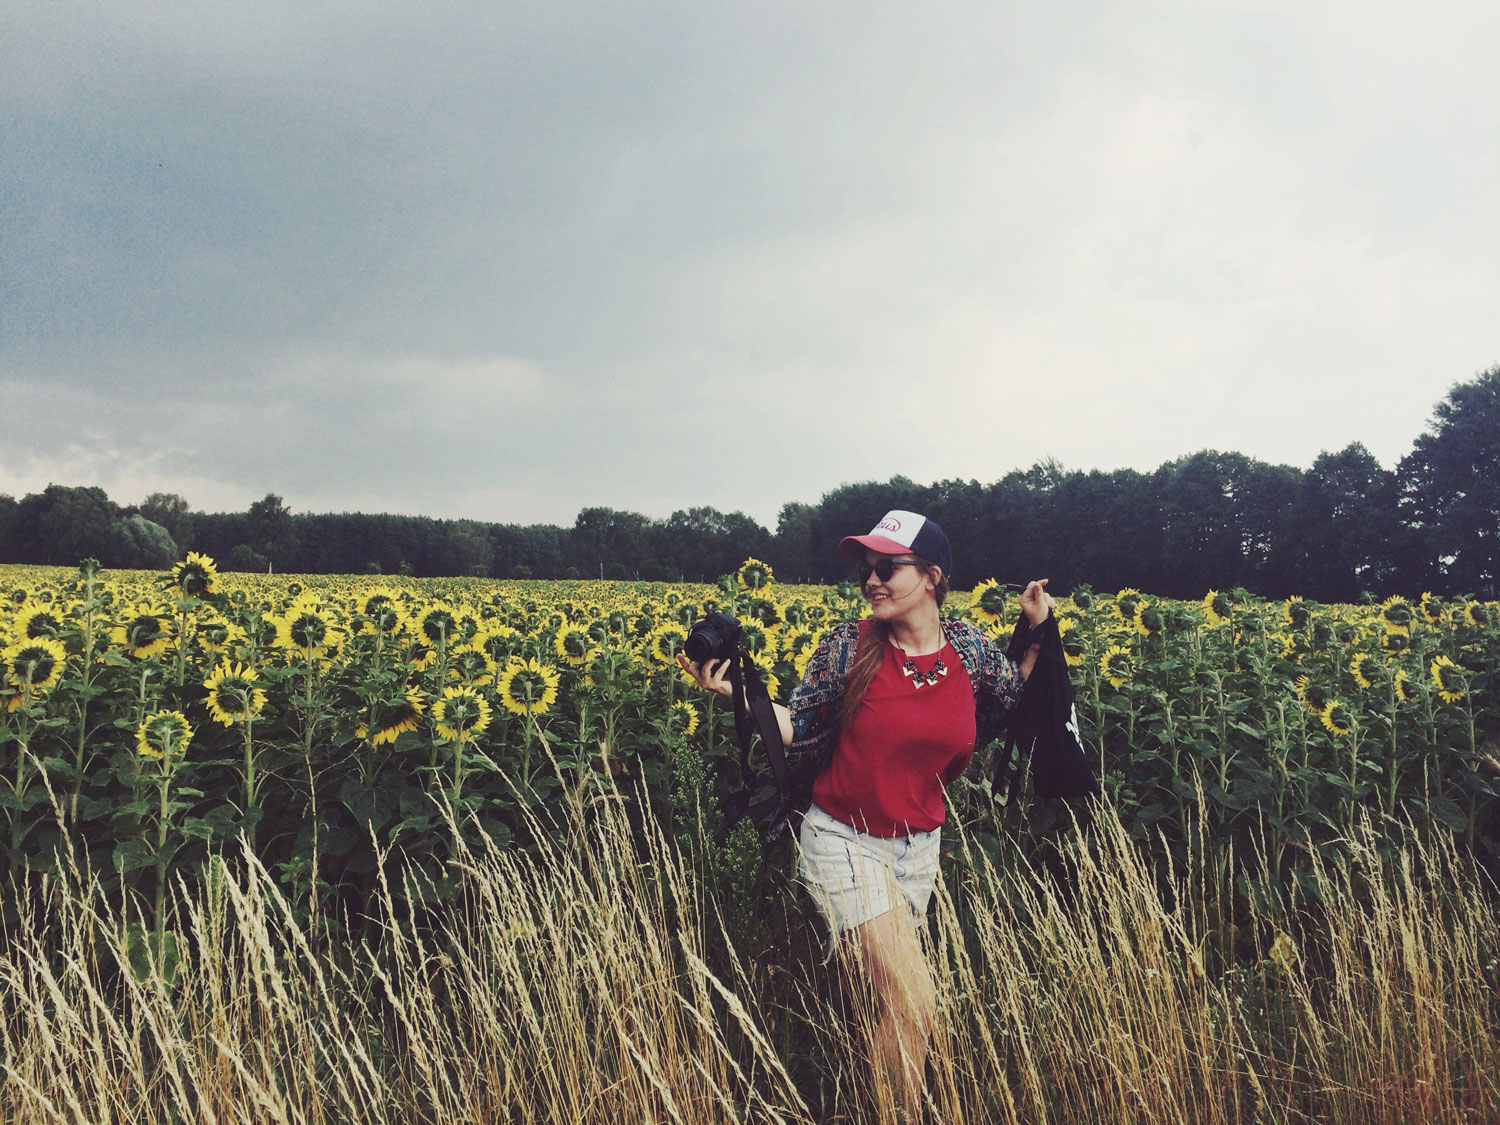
(389, 719)
(765, 664)
(1476, 613)
(575, 645)
(794, 643)
(1116, 666)
(1150, 621)
(215, 635)
(666, 642)
(764, 610)
(461, 715)
(1217, 607)
(472, 665)
(1432, 608)
(1395, 614)
(1297, 612)
(1128, 604)
(1314, 695)
(802, 659)
(686, 714)
(987, 603)
(308, 631)
(420, 656)
(382, 613)
(756, 639)
(195, 575)
(1403, 693)
(234, 695)
(33, 668)
(1449, 679)
(437, 626)
(163, 735)
(1072, 646)
(144, 633)
(528, 687)
(1357, 669)
(37, 622)
(754, 574)
(1336, 717)
(1395, 640)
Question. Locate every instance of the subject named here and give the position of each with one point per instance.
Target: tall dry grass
(592, 982)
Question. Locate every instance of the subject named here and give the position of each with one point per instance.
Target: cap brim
(853, 546)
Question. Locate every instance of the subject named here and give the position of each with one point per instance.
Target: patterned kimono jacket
(815, 704)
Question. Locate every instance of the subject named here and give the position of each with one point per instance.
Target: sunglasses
(883, 569)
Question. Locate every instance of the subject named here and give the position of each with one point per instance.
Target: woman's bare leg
(906, 1000)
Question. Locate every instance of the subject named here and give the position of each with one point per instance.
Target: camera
(716, 637)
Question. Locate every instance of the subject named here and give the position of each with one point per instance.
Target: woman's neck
(918, 634)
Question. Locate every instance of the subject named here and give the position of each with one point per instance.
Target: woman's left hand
(1036, 603)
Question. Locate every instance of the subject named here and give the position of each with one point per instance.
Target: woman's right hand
(711, 675)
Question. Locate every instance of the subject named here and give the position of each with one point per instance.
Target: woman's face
(909, 586)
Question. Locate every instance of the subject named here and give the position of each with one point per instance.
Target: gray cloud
(508, 260)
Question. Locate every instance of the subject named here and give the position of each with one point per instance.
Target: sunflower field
(155, 718)
(345, 763)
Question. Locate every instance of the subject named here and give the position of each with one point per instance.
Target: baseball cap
(900, 533)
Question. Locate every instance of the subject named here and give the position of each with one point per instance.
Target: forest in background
(1340, 530)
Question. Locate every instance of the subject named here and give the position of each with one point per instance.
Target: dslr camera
(716, 637)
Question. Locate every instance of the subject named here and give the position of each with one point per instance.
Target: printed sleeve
(1001, 683)
(818, 685)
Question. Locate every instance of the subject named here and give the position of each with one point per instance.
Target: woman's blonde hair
(871, 652)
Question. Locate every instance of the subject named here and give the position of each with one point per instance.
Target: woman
(888, 711)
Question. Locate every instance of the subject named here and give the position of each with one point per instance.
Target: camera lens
(698, 647)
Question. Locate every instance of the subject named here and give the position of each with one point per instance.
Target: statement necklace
(919, 679)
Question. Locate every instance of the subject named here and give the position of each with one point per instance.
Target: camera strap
(754, 711)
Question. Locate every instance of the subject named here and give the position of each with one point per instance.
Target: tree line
(1344, 528)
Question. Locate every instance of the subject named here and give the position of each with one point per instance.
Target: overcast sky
(507, 260)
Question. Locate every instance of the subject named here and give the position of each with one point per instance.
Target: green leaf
(1448, 812)
(152, 954)
(131, 855)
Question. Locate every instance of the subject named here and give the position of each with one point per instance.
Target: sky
(504, 261)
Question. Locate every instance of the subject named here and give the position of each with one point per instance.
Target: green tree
(170, 511)
(1347, 526)
(62, 525)
(271, 531)
(137, 543)
(792, 548)
(1450, 487)
(609, 542)
(244, 559)
(9, 514)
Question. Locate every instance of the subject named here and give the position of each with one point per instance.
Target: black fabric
(1044, 723)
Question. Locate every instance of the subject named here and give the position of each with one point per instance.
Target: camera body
(716, 637)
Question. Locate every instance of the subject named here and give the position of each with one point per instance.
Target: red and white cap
(902, 533)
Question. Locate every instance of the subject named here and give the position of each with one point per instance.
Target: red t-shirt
(903, 745)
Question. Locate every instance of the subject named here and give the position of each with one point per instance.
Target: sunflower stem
(251, 782)
(163, 784)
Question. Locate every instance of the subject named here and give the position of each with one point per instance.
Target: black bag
(1044, 722)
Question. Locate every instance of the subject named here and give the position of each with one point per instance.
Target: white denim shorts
(854, 877)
